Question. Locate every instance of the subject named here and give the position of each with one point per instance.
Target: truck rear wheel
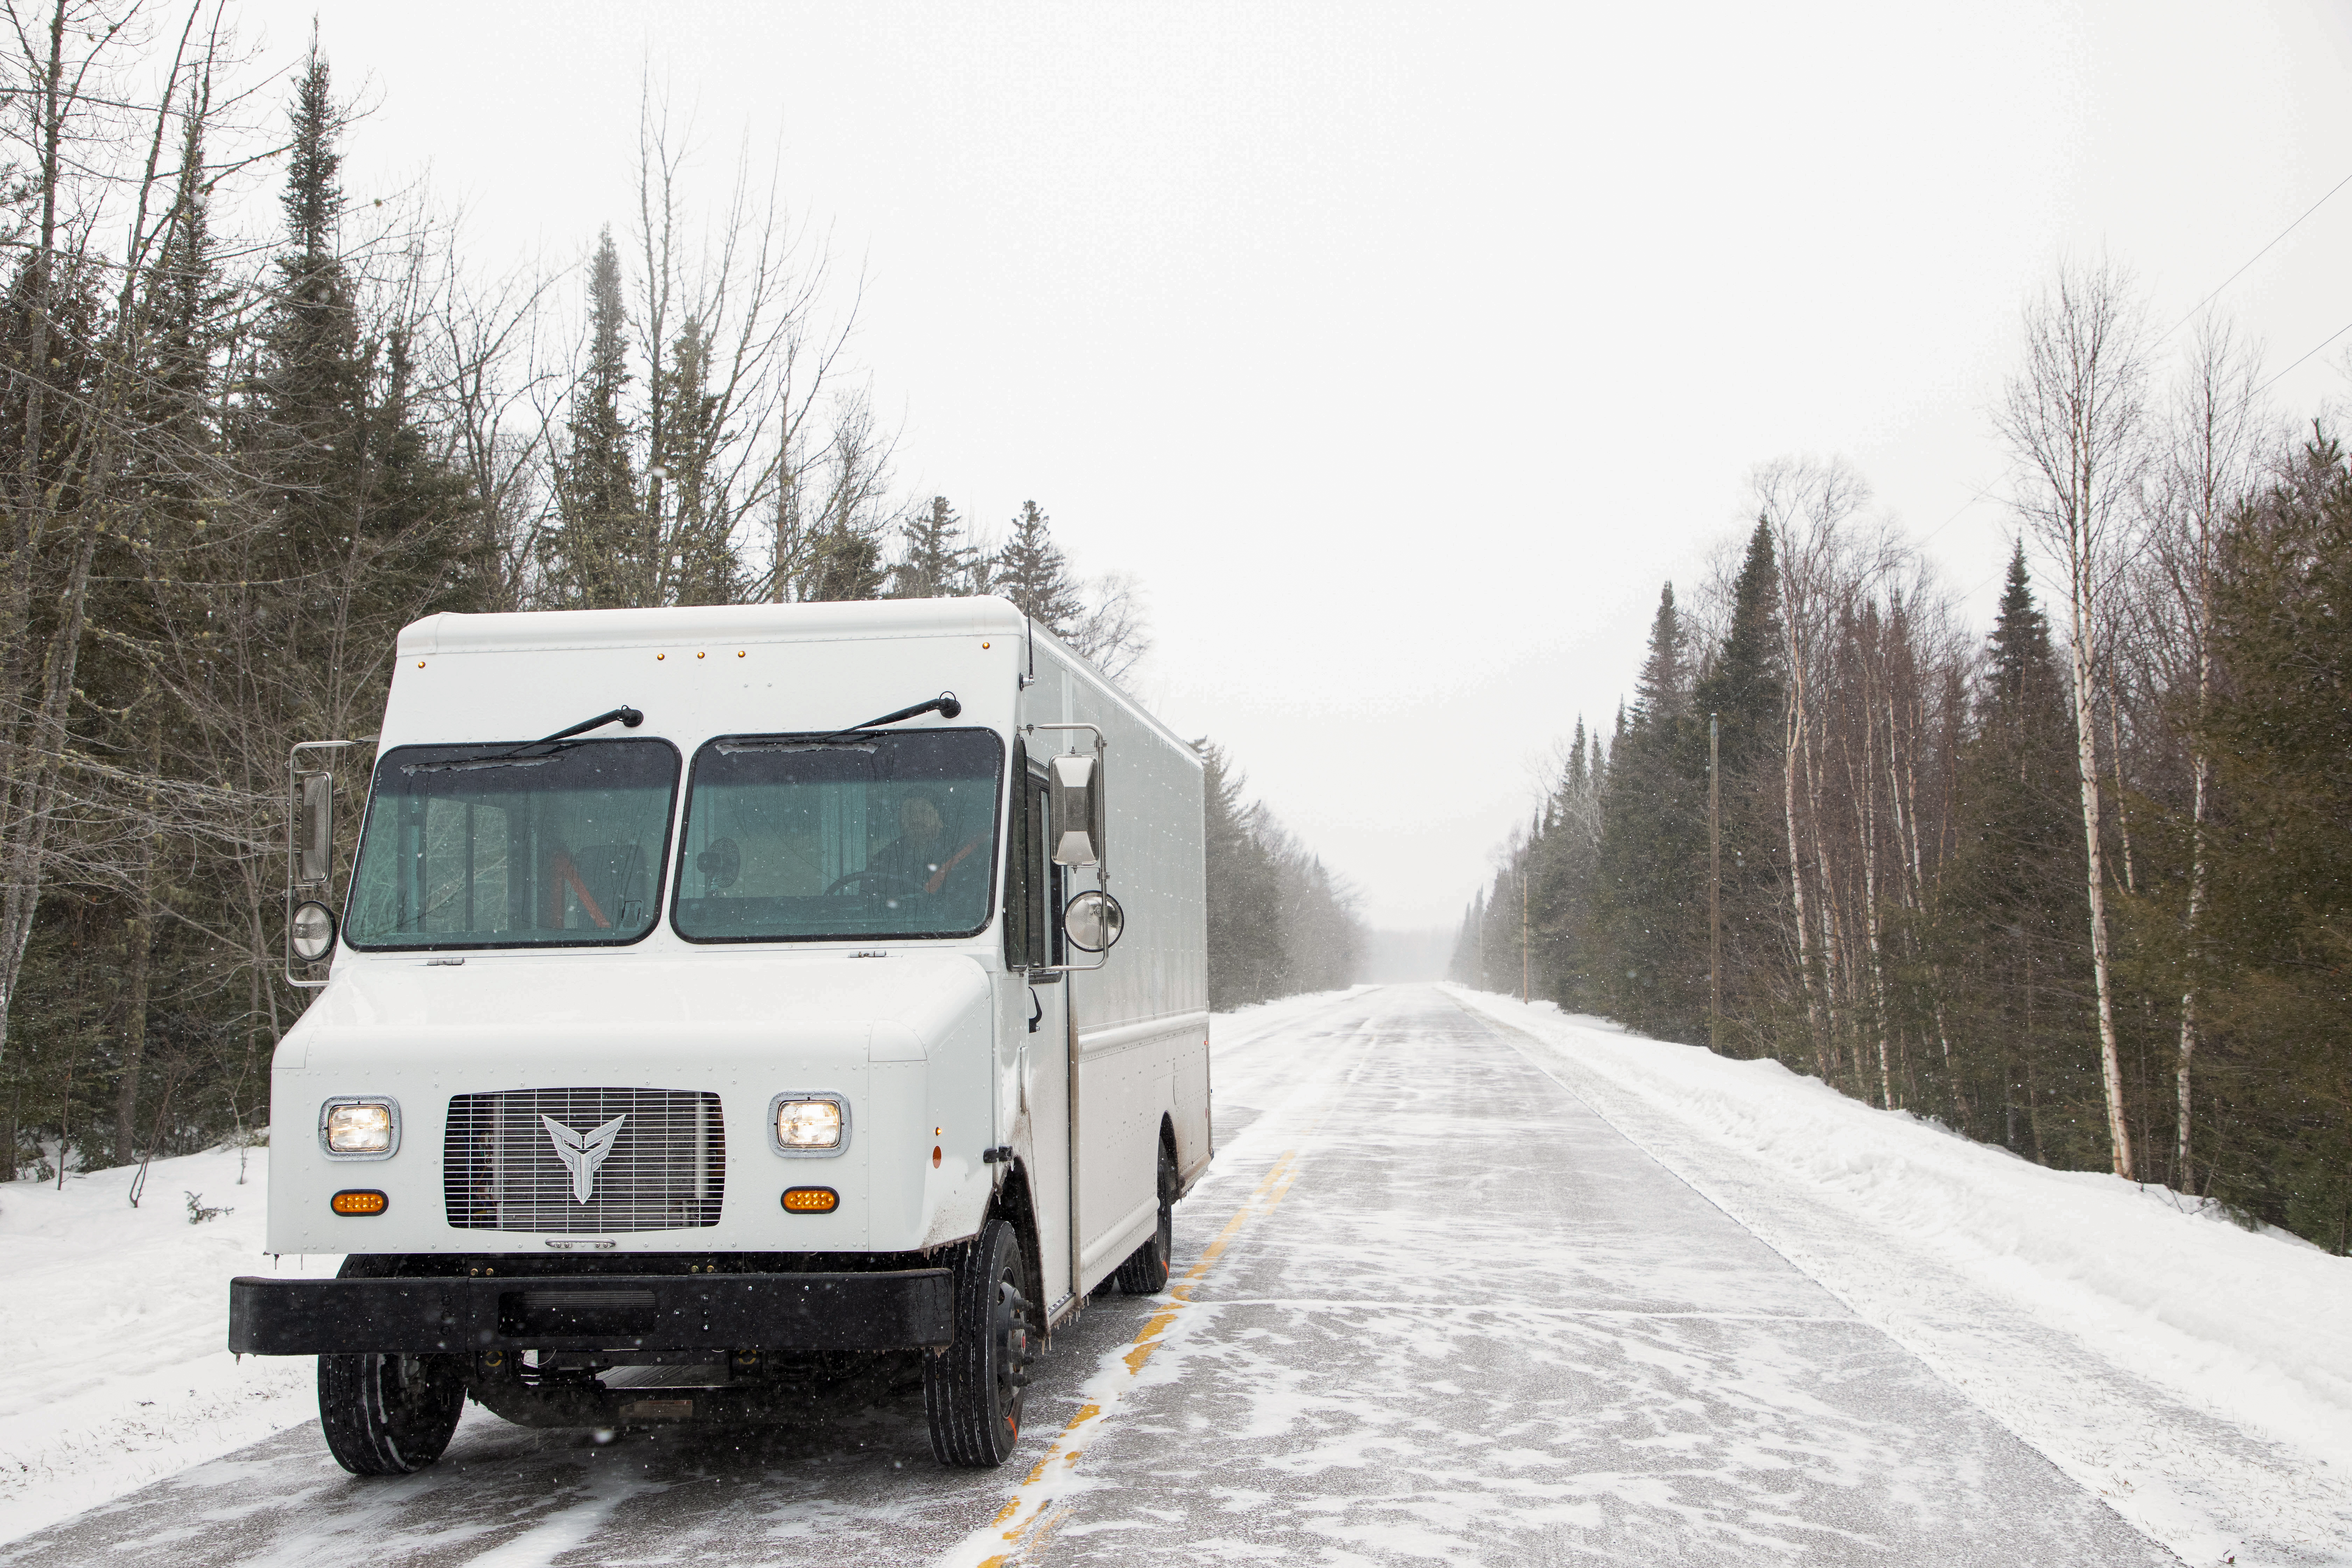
(1145, 1272)
(973, 1390)
(389, 1414)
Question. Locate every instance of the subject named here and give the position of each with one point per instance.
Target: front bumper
(894, 1310)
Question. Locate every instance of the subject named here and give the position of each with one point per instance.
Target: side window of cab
(1032, 881)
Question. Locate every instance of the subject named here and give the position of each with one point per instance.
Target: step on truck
(725, 1003)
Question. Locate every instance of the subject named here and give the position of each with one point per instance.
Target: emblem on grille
(583, 1152)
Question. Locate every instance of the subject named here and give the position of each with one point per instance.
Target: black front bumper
(894, 1310)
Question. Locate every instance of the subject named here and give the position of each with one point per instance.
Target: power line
(1976, 494)
(2184, 321)
(2257, 256)
(2323, 342)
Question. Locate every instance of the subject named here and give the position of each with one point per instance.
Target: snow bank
(2197, 1374)
(114, 1323)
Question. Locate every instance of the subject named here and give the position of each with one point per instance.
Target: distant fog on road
(1392, 957)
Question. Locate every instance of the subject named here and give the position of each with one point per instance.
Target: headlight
(808, 1124)
(359, 1127)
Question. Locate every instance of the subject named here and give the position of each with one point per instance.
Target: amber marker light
(811, 1200)
(358, 1203)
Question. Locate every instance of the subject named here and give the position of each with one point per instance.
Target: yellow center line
(1029, 1516)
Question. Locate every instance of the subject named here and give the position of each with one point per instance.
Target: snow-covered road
(1434, 1307)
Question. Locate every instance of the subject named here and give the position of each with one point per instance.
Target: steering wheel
(886, 882)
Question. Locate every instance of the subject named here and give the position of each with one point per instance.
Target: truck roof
(541, 630)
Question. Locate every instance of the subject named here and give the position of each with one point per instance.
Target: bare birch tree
(1805, 503)
(2074, 423)
(2210, 451)
(1114, 632)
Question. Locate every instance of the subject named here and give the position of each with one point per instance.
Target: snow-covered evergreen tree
(1032, 572)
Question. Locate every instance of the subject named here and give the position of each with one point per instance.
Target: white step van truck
(825, 992)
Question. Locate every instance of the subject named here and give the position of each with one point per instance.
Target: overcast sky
(1404, 351)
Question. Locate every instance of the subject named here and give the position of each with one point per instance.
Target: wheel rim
(1015, 1343)
(1166, 1236)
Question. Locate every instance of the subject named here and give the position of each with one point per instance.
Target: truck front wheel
(389, 1414)
(974, 1389)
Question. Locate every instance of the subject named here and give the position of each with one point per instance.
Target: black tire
(388, 1415)
(1145, 1272)
(973, 1390)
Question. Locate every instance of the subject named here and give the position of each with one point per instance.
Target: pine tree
(2278, 1075)
(366, 526)
(1032, 572)
(688, 525)
(846, 563)
(1564, 860)
(1467, 965)
(1661, 694)
(599, 545)
(938, 560)
(1649, 900)
(1742, 685)
(365, 511)
(311, 337)
(1247, 956)
(1743, 694)
(2009, 912)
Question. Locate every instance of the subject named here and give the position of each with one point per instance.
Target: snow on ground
(113, 1329)
(2197, 1374)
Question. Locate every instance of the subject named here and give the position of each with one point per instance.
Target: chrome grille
(666, 1169)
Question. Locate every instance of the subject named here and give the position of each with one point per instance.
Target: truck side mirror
(314, 829)
(1075, 809)
(1093, 922)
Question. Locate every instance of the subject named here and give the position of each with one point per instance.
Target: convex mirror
(313, 933)
(1076, 831)
(314, 829)
(1093, 921)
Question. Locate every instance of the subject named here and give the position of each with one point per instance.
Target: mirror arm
(1071, 968)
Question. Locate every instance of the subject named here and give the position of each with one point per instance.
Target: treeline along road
(2071, 883)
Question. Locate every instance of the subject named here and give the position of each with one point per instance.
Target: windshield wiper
(945, 703)
(630, 718)
(856, 738)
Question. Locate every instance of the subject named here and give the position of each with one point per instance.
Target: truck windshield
(876, 835)
(476, 847)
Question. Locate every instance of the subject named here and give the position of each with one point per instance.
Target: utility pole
(1714, 884)
(1523, 927)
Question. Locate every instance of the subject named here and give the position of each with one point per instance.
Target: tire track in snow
(570, 1530)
